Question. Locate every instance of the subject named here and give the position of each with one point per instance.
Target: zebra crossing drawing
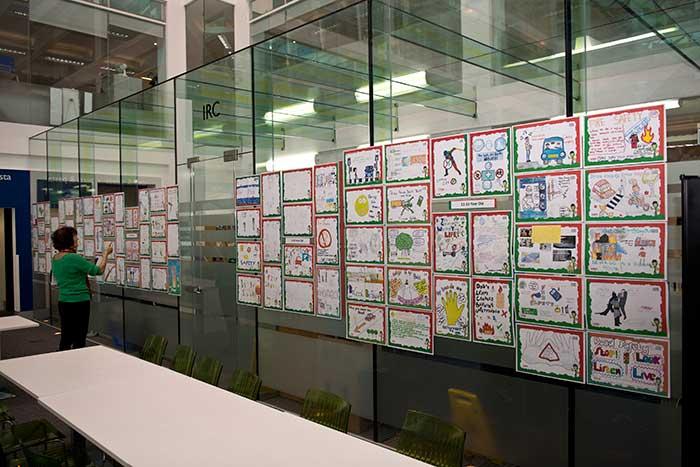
(614, 201)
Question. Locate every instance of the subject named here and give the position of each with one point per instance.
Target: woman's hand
(109, 248)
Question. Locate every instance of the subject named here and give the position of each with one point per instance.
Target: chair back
(154, 349)
(246, 384)
(34, 459)
(326, 409)
(208, 370)
(431, 440)
(183, 360)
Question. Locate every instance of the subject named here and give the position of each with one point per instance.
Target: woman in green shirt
(71, 271)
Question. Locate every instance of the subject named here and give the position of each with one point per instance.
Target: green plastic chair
(183, 360)
(51, 456)
(208, 370)
(326, 409)
(32, 433)
(154, 349)
(431, 440)
(246, 384)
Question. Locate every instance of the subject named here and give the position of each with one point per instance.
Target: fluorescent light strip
(290, 112)
(395, 141)
(395, 87)
(291, 161)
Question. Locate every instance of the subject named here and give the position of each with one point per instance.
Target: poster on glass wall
(97, 207)
(298, 296)
(145, 273)
(489, 162)
(249, 256)
(449, 166)
(629, 250)
(297, 185)
(108, 204)
(173, 239)
(159, 252)
(548, 248)
(551, 352)
(492, 315)
(156, 199)
(326, 191)
(364, 244)
(144, 240)
(407, 161)
(547, 145)
(248, 190)
(366, 323)
(132, 218)
(491, 245)
(121, 270)
(409, 246)
(409, 287)
(272, 240)
(248, 223)
(451, 243)
(408, 204)
(119, 247)
(271, 194)
(410, 330)
(297, 220)
(159, 278)
(174, 287)
(172, 203)
(133, 275)
(327, 242)
(364, 206)
(552, 196)
(272, 286)
(119, 208)
(452, 308)
(249, 289)
(298, 261)
(550, 300)
(109, 226)
(132, 246)
(328, 301)
(364, 283)
(158, 226)
(144, 206)
(363, 166)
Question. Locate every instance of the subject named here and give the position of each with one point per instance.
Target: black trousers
(75, 318)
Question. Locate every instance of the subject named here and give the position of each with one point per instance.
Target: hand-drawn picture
(364, 283)
(364, 206)
(408, 204)
(144, 206)
(410, 330)
(156, 197)
(449, 166)
(172, 203)
(328, 301)
(298, 261)
(451, 242)
(132, 218)
(363, 166)
(327, 242)
(491, 248)
(452, 308)
(99, 239)
(364, 244)
(132, 248)
(174, 284)
(249, 289)
(550, 144)
(121, 271)
(173, 236)
(548, 248)
(637, 250)
(630, 364)
(248, 223)
(549, 300)
(119, 246)
(548, 197)
(271, 194)
(69, 206)
(272, 240)
(88, 226)
(632, 307)
(326, 191)
(409, 245)
(158, 226)
(409, 287)
(297, 220)
(144, 240)
(366, 323)
(551, 352)
(97, 203)
(489, 162)
(61, 211)
(407, 161)
(492, 312)
(159, 252)
(247, 191)
(145, 273)
(297, 185)
(629, 193)
(626, 136)
(159, 278)
(249, 256)
(108, 225)
(133, 275)
(298, 296)
(272, 284)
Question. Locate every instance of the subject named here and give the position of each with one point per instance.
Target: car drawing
(553, 149)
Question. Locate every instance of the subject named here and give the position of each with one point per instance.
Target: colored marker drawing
(451, 242)
(555, 353)
(408, 204)
(449, 166)
(550, 144)
(493, 316)
(452, 311)
(631, 193)
(491, 250)
(409, 245)
(364, 244)
(489, 162)
(409, 287)
(549, 300)
(549, 196)
(548, 248)
(635, 250)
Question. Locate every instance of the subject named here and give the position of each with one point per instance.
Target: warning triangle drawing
(549, 354)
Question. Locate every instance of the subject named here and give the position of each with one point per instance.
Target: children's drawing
(363, 166)
(551, 352)
(158, 226)
(144, 240)
(551, 144)
(174, 284)
(97, 201)
(172, 203)
(490, 237)
(88, 226)
(298, 261)
(132, 218)
(328, 302)
(327, 244)
(634, 250)
(452, 308)
(407, 161)
(449, 166)
(132, 248)
(159, 252)
(366, 323)
(173, 236)
(549, 300)
(145, 273)
(548, 248)
(99, 239)
(249, 256)
(61, 211)
(629, 193)
(451, 240)
(249, 289)
(69, 206)
(247, 191)
(298, 296)
(630, 364)
(119, 246)
(364, 283)
(489, 162)
(410, 330)
(626, 136)
(248, 223)
(272, 240)
(159, 278)
(632, 307)
(364, 244)
(409, 287)
(272, 283)
(409, 245)
(326, 192)
(271, 194)
(364, 206)
(110, 274)
(408, 204)
(297, 185)
(492, 312)
(109, 225)
(297, 220)
(133, 275)
(121, 271)
(156, 199)
(548, 196)
(144, 206)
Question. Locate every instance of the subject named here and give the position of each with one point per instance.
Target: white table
(12, 323)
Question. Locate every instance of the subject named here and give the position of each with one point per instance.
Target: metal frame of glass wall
(373, 72)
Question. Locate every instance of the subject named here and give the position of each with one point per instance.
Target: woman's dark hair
(63, 238)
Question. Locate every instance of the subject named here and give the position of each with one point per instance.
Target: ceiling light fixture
(291, 161)
(224, 41)
(397, 86)
(285, 114)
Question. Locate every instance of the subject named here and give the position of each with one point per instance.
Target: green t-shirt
(70, 272)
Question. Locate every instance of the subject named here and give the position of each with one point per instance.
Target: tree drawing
(404, 243)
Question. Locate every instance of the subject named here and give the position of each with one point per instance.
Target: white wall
(14, 147)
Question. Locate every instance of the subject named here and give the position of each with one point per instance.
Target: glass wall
(377, 72)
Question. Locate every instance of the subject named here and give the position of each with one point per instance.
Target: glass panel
(148, 8)
(39, 192)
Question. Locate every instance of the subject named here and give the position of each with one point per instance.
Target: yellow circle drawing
(362, 205)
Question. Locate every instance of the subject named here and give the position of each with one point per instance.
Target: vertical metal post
(121, 187)
(252, 97)
(179, 325)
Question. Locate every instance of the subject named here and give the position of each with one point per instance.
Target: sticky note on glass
(546, 233)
